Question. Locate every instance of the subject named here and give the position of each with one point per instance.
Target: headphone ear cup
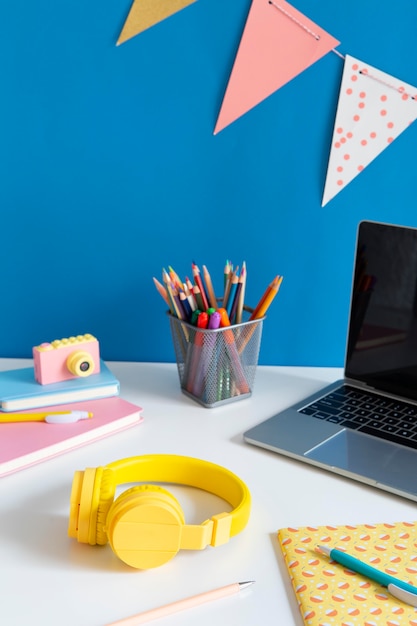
(75, 501)
(144, 526)
(107, 490)
(92, 495)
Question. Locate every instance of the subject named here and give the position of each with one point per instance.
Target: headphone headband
(192, 472)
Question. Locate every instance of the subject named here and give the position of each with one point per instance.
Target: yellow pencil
(175, 278)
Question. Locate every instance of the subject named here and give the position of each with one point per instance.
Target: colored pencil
(227, 270)
(241, 302)
(232, 274)
(185, 305)
(190, 297)
(265, 295)
(235, 363)
(231, 296)
(181, 314)
(274, 288)
(198, 298)
(199, 283)
(162, 291)
(167, 282)
(236, 299)
(210, 289)
(180, 605)
(175, 278)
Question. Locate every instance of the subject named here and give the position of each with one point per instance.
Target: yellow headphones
(145, 525)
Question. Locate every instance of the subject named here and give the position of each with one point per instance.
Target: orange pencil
(162, 291)
(269, 294)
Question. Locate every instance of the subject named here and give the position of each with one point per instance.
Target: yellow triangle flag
(146, 13)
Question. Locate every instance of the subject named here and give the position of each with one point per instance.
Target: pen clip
(401, 594)
(67, 418)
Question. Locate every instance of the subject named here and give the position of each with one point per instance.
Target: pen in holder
(216, 366)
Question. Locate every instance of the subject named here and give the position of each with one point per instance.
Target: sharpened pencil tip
(247, 583)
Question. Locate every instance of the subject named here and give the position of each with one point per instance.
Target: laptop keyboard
(368, 413)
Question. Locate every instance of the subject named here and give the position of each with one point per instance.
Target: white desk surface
(48, 579)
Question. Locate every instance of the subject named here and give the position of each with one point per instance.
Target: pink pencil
(180, 605)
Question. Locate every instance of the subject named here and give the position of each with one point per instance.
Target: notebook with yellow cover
(328, 594)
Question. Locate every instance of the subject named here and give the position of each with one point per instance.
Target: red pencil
(199, 283)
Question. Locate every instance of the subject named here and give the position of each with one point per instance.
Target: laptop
(365, 426)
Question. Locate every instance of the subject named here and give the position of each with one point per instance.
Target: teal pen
(399, 589)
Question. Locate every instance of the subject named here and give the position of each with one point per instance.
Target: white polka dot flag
(374, 108)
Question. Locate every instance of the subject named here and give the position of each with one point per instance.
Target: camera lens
(80, 363)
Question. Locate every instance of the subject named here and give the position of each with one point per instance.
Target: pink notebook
(26, 443)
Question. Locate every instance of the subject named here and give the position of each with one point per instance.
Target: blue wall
(110, 170)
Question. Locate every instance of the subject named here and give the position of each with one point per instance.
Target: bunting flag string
(277, 44)
(374, 108)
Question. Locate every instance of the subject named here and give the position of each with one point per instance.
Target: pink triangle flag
(277, 44)
(374, 108)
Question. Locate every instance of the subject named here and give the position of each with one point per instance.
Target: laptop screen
(382, 339)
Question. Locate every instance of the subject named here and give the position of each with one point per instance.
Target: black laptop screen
(382, 341)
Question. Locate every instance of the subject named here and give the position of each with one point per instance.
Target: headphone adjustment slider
(222, 529)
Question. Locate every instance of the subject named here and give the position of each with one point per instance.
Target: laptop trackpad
(386, 463)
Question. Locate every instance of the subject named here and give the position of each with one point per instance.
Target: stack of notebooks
(26, 443)
(329, 594)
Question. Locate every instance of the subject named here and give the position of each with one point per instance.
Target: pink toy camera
(64, 359)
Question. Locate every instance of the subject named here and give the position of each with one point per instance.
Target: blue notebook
(19, 389)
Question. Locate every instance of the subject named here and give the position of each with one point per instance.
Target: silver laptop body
(374, 441)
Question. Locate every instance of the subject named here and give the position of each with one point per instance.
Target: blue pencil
(235, 304)
(231, 296)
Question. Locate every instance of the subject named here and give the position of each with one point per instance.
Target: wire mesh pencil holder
(216, 366)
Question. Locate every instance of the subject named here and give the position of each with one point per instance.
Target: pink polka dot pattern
(374, 109)
(329, 594)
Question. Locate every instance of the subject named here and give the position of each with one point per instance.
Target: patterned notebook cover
(330, 595)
